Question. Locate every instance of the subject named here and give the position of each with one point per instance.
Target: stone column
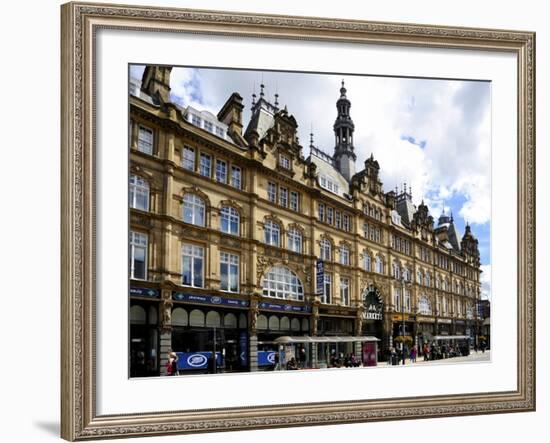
(253, 333)
(313, 323)
(165, 329)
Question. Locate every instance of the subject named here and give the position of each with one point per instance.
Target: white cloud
(485, 280)
(451, 117)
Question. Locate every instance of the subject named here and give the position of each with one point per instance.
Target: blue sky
(435, 135)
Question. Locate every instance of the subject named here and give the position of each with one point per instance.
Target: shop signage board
(196, 360)
(144, 292)
(320, 273)
(210, 300)
(282, 307)
(372, 302)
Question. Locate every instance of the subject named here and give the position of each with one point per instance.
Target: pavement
(473, 357)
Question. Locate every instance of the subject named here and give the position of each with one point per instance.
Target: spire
(344, 155)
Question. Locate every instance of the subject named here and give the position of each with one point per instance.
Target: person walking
(426, 352)
(172, 364)
(413, 354)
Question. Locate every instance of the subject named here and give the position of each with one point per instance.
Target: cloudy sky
(435, 135)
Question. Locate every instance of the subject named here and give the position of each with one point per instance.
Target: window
(327, 288)
(344, 291)
(284, 161)
(346, 222)
(397, 299)
(344, 255)
(396, 271)
(206, 165)
(367, 262)
(294, 204)
(379, 265)
(229, 272)
(193, 209)
(236, 179)
(220, 132)
(145, 140)
(196, 120)
(326, 252)
(188, 161)
(321, 212)
(406, 274)
(208, 126)
(272, 233)
(193, 266)
(419, 277)
(366, 230)
(281, 282)
(221, 171)
(407, 300)
(229, 220)
(283, 197)
(329, 184)
(428, 279)
(139, 193)
(138, 255)
(424, 306)
(272, 192)
(338, 219)
(330, 215)
(294, 240)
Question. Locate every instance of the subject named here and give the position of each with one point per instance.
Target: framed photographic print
(283, 221)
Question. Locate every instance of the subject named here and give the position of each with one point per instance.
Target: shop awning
(450, 337)
(287, 339)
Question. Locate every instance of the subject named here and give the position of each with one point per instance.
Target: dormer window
(284, 161)
(196, 120)
(208, 126)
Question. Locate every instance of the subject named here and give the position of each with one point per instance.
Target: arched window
(139, 193)
(180, 317)
(367, 262)
(138, 315)
(326, 249)
(344, 255)
(424, 306)
(379, 264)
(294, 240)
(272, 233)
(193, 209)
(229, 220)
(281, 282)
(230, 321)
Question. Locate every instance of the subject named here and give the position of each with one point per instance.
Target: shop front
(205, 326)
(403, 330)
(144, 332)
(335, 323)
(274, 321)
(444, 326)
(425, 332)
(373, 321)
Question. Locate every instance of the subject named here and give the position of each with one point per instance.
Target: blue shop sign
(196, 360)
(243, 348)
(144, 292)
(266, 358)
(210, 300)
(287, 308)
(320, 273)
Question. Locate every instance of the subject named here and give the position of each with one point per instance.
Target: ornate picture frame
(80, 23)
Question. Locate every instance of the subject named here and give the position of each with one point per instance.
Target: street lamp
(403, 313)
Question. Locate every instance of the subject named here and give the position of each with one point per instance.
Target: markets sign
(210, 300)
(372, 302)
(320, 273)
(144, 292)
(196, 360)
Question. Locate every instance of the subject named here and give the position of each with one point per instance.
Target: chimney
(156, 83)
(232, 114)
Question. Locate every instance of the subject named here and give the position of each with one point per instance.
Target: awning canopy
(450, 337)
(286, 339)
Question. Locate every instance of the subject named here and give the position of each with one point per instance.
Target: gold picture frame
(80, 21)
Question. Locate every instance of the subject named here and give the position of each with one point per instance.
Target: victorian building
(229, 222)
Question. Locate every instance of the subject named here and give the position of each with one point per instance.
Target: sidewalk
(473, 357)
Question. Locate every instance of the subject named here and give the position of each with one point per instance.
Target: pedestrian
(413, 354)
(291, 364)
(426, 352)
(171, 364)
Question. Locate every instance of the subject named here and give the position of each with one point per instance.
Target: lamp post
(403, 314)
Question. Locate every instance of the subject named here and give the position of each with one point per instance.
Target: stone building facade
(229, 219)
